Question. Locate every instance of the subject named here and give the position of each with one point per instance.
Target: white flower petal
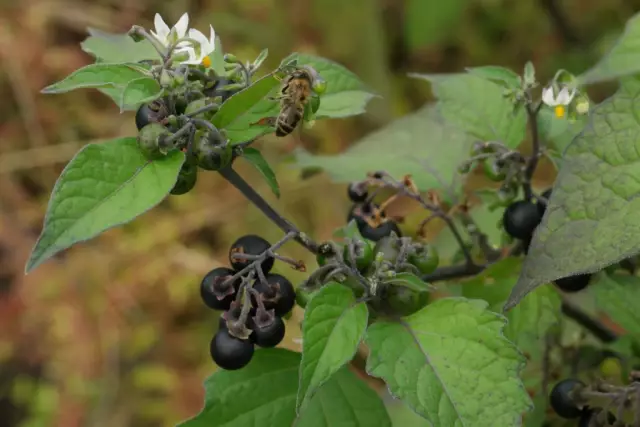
(548, 96)
(564, 97)
(182, 25)
(212, 38)
(193, 58)
(162, 29)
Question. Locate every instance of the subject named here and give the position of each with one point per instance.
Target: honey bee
(297, 89)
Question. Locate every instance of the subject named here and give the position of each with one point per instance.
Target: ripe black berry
(250, 245)
(270, 335)
(277, 294)
(542, 205)
(562, 399)
(357, 193)
(186, 179)
(153, 112)
(382, 230)
(520, 219)
(589, 414)
(573, 283)
(212, 288)
(229, 352)
(218, 89)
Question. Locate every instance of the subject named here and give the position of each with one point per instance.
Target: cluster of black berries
(520, 220)
(372, 222)
(564, 402)
(253, 309)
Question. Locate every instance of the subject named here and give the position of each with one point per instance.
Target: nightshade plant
(505, 342)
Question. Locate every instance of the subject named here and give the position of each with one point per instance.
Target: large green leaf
(117, 48)
(622, 60)
(590, 221)
(429, 22)
(240, 115)
(345, 96)
(451, 363)
(264, 393)
(344, 400)
(104, 185)
(98, 76)
(527, 323)
(334, 324)
(479, 107)
(618, 297)
(420, 144)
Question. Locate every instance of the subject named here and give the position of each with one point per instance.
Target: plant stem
(532, 162)
(598, 330)
(243, 186)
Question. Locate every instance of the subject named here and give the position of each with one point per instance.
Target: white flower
(168, 36)
(199, 52)
(559, 101)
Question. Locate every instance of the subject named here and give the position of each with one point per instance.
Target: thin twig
(532, 162)
(237, 181)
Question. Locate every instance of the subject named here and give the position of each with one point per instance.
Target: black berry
(250, 245)
(520, 219)
(229, 352)
(542, 204)
(153, 112)
(562, 399)
(186, 179)
(383, 230)
(270, 335)
(357, 193)
(213, 292)
(359, 213)
(573, 283)
(589, 414)
(218, 89)
(277, 294)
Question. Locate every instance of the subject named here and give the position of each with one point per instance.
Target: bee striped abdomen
(288, 119)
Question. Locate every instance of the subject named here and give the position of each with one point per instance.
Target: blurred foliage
(112, 332)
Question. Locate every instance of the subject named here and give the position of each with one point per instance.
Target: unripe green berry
(211, 151)
(150, 140)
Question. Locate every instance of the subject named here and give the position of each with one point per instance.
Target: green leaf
(344, 400)
(421, 144)
(618, 297)
(98, 76)
(334, 324)
(590, 221)
(349, 231)
(260, 59)
(104, 185)
(117, 48)
(408, 280)
(622, 60)
(430, 22)
(345, 96)
(528, 323)
(139, 91)
(479, 107)
(558, 133)
(451, 364)
(240, 114)
(264, 393)
(254, 157)
(497, 74)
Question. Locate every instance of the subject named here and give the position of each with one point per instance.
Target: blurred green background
(112, 332)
